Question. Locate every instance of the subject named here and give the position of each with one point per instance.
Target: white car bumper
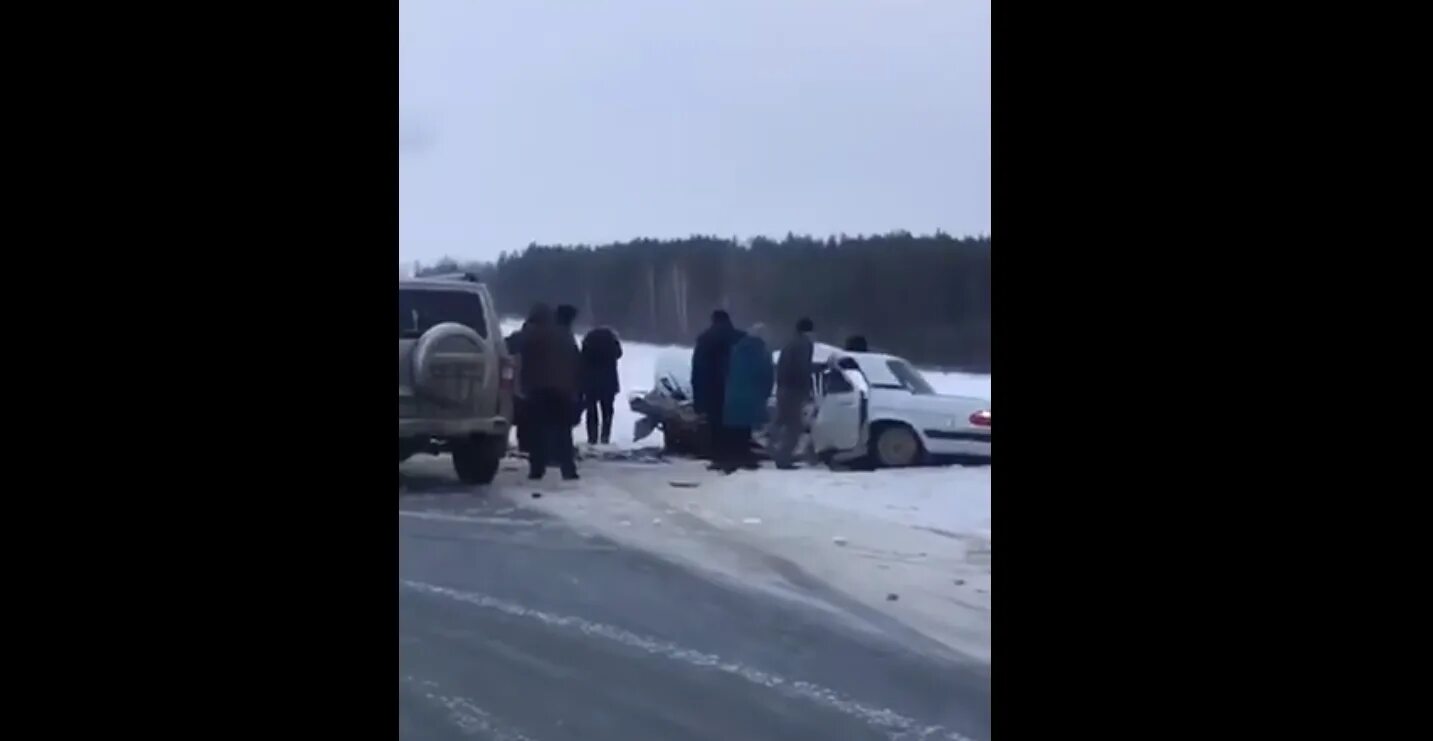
(957, 442)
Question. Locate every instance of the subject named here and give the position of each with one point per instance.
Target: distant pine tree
(924, 297)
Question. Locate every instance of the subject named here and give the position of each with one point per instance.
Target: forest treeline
(926, 297)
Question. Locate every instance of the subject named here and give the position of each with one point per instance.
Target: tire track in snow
(896, 726)
(470, 718)
(469, 519)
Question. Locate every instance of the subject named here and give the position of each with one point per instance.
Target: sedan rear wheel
(896, 446)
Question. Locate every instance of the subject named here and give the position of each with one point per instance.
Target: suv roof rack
(465, 277)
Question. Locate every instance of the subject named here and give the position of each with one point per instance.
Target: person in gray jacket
(793, 390)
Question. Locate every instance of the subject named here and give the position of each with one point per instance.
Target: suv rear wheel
(476, 459)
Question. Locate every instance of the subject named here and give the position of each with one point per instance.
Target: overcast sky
(565, 121)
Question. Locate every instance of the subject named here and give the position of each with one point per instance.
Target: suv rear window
(419, 310)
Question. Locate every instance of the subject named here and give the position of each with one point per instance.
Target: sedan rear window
(910, 378)
(419, 311)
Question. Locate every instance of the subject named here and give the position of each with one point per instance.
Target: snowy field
(911, 545)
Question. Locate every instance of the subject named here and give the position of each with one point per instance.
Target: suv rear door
(447, 352)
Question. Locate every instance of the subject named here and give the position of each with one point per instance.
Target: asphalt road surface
(514, 626)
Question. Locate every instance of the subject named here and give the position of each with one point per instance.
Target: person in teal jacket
(749, 380)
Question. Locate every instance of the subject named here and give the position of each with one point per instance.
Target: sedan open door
(838, 433)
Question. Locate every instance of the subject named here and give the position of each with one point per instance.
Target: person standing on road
(709, 370)
(549, 380)
(601, 349)
(793, 390)
(748, 388)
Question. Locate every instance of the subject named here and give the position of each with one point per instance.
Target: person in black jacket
(601, 349)
(710, 360)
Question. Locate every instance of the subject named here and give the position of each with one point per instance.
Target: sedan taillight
(981, 418)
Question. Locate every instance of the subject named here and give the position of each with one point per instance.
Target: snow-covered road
(912, 545)
(868, 547)
(516, 624)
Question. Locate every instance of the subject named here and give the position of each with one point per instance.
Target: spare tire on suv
(449, 364)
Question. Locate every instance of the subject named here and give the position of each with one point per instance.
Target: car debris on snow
(892, 597)
(630, 455)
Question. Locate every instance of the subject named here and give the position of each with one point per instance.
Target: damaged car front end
(668, 407)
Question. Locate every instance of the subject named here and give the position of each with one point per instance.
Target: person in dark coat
(709, 370)
(550, 364)
(748, 388)
(793, 390)
(600, 352)
(566, 315)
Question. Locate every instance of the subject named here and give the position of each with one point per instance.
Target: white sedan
(877, 409)
(870, 409)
